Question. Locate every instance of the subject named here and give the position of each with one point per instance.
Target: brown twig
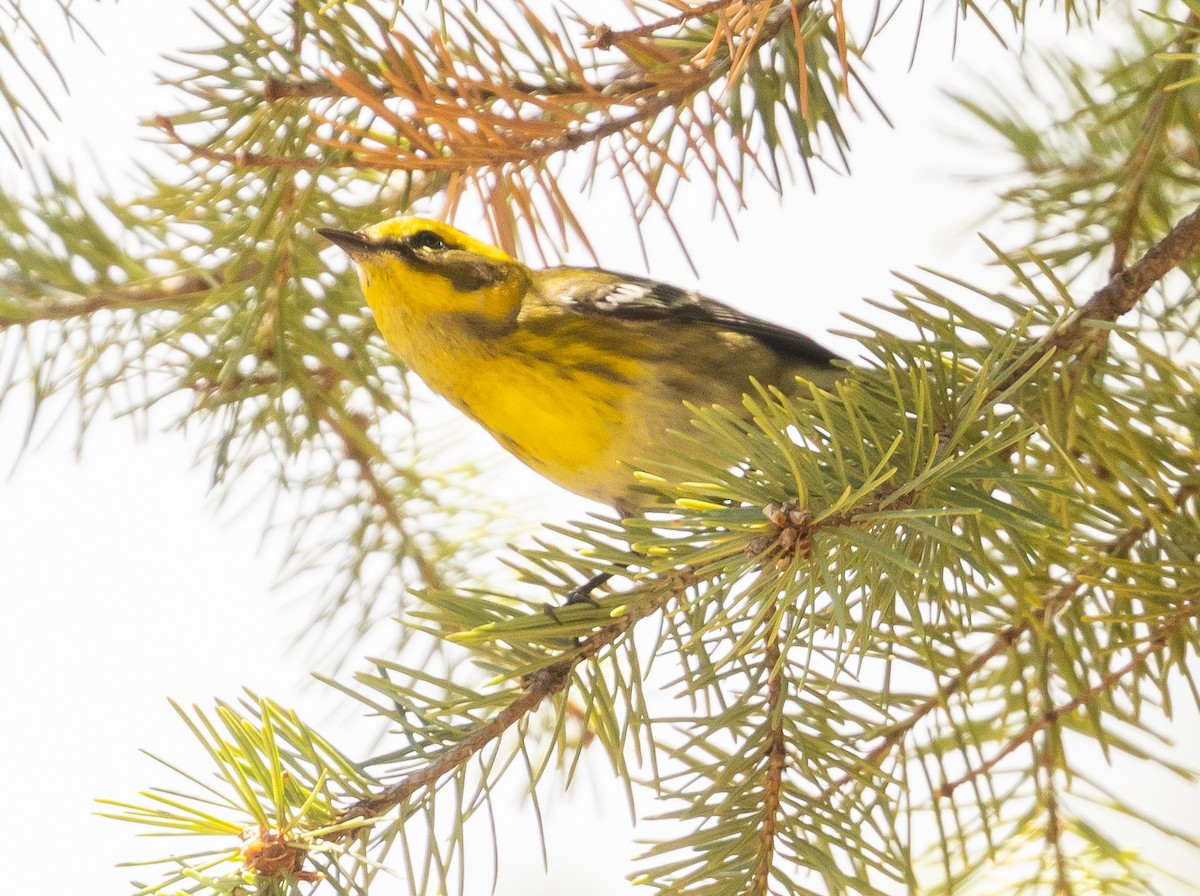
(169, 293)
(1133, 185)
(1137, 168)
(1156, 643)
(382, 497)
(243, 158)
(549, 682)
(1046, 756)
(1115, 298)
(645, 109)
(1054, 832)
(497, 139)
(538, 686)
(1003, 641)
(1119, 295)
(605, 38)
(1124, 290)
(1008, 637)
(276, 88)
(776, 762)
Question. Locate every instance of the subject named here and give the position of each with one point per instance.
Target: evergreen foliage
(889, 619)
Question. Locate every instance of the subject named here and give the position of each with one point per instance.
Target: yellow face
(400, 229)
(417, 273)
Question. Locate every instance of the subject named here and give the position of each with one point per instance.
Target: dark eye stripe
(420, 245)
(428, 251)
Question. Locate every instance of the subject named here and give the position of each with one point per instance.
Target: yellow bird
(576, 371)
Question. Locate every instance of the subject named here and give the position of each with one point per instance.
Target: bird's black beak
(354, 243)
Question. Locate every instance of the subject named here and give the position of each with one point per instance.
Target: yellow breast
(572, 418)
(578, 398)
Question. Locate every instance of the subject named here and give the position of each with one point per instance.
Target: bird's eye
(428, 240)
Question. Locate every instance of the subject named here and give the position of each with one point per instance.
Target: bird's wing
(636, 298)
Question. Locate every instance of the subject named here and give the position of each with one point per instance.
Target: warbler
(576, 371)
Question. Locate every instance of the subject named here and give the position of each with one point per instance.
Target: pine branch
(1054, 824)
(175, 293)
(624, 85)
(926, 489)
(873, 761)
(1125, 289)
(276, 88)
(384, 500)
(518, 141)
(537, 687)
(1110, 173)
(19, 40)
(1157, 641)
(605, 37)
(773, 784)
(244, 158)
(1118, 296)
(1150, 146)
(1004, 641)
(484, 108)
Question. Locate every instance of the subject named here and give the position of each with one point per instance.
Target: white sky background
(122, 582)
